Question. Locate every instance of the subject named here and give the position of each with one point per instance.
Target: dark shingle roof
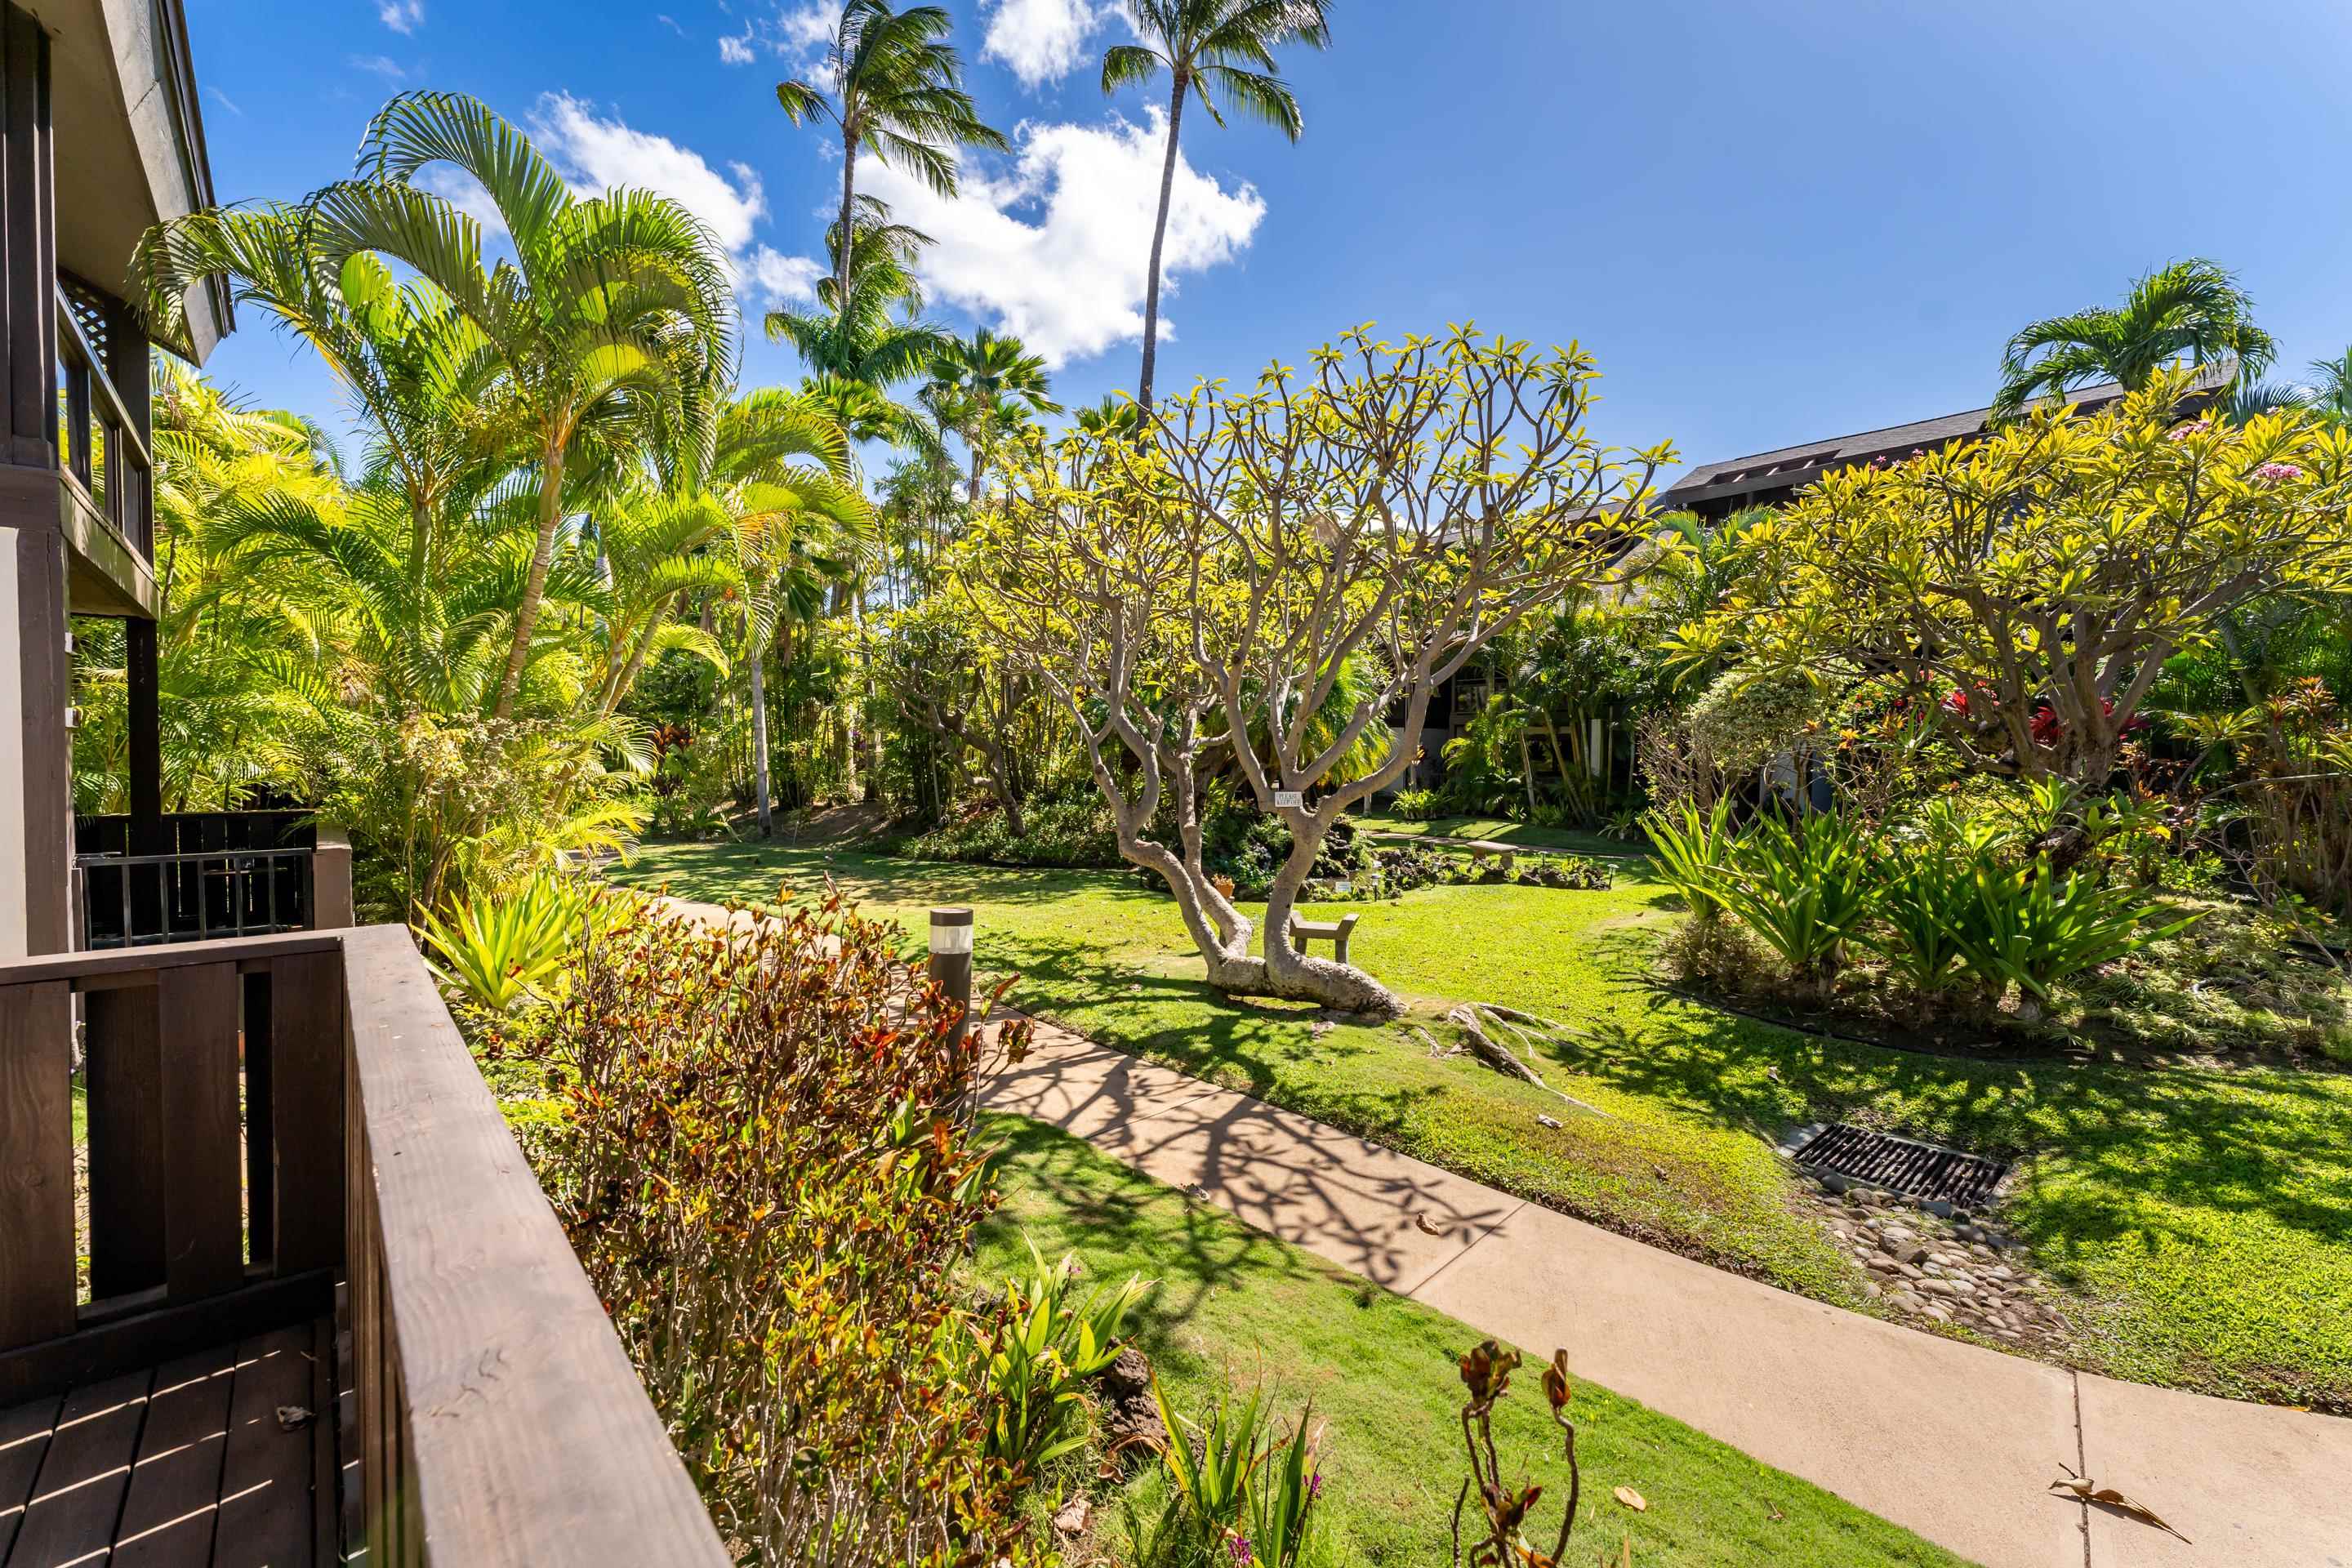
(1788, 466)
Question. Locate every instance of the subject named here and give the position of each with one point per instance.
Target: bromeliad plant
(497, 953)
(1242, 1492)
(1035, 1355)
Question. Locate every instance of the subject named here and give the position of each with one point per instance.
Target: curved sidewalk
(1955, 1442)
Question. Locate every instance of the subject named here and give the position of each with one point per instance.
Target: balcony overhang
(129, 143)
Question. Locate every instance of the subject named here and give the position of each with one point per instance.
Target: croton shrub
(765, 1156)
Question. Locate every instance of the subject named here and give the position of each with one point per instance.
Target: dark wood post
(952, 961)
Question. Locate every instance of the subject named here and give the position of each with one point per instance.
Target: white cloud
(797, 35)
(777, 277)
(1054, 250)
(465, 193)
(379, 65)
(595, 153)
(402, 16)
(226, 101)
(1042, 40)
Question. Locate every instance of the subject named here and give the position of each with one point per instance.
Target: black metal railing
(194, 877)
(140, 901)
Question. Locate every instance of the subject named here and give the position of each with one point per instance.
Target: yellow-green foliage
(2047, 571)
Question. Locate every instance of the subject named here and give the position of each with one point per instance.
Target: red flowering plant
(764, 1154)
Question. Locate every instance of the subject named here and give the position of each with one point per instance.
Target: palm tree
(896, 91)
(872, 335)
(2191, 308)
(972, 377)
(611, 328)
(781, 472)
(1211, 49)
(416, 367)
(2330, 393)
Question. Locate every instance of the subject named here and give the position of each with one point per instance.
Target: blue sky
(1768, 223)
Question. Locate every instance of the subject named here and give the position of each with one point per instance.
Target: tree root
(1477, 1019)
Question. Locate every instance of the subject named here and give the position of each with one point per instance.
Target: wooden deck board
(183, 1466)
(77, 1500)
(23, 1441)
(167, 1520)
(264, 1507)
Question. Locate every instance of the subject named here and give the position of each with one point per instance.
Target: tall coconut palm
(2191, 309)
(971, 377)
(1212, 50)
(873, 335)
(612, 327)
(895, 89)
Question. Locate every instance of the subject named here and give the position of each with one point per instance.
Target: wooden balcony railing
(98, 443)
(270, 1118)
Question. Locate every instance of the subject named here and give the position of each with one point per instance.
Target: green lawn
(2202, 1218)
(1498, 830)
(1379, 1369)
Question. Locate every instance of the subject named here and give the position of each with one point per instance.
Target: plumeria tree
(1197, 594)
(2031, 587)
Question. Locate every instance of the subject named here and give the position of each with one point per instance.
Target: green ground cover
(1497, 830)
(2201, 1217)
(1235, 1304)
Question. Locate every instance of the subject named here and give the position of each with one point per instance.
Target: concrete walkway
(1955, 1442)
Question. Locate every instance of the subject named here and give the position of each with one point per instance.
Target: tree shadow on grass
(751, 872)
(2098, 1142)
(1096, 1207)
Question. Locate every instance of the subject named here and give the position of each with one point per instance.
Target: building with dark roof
(1768, 478)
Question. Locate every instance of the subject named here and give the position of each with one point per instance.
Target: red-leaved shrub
(765, 1158)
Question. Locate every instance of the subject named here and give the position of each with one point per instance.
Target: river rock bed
(1963, 1269)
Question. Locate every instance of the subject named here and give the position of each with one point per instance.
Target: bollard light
(950, 964)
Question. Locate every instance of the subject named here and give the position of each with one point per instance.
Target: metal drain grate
(1917, 1170)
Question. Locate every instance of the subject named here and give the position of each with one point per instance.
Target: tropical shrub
(1241, 1491)
(1802, 888)
(496, 953)
(763, 1150)
(1950, 573)
(1745, 718)
(1930, 891)
(1036, 1353)
(2034, 926)
(1071, 831)
(1416, 804)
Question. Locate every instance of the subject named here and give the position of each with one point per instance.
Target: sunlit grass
(2202, 1218)
(1234, 1302)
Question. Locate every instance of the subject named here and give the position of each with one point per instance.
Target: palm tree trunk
(972, 441)
(848, 194)
(534, 587)
(1159, 233)
(760, 734)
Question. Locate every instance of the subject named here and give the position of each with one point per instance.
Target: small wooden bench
(1336, 933)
